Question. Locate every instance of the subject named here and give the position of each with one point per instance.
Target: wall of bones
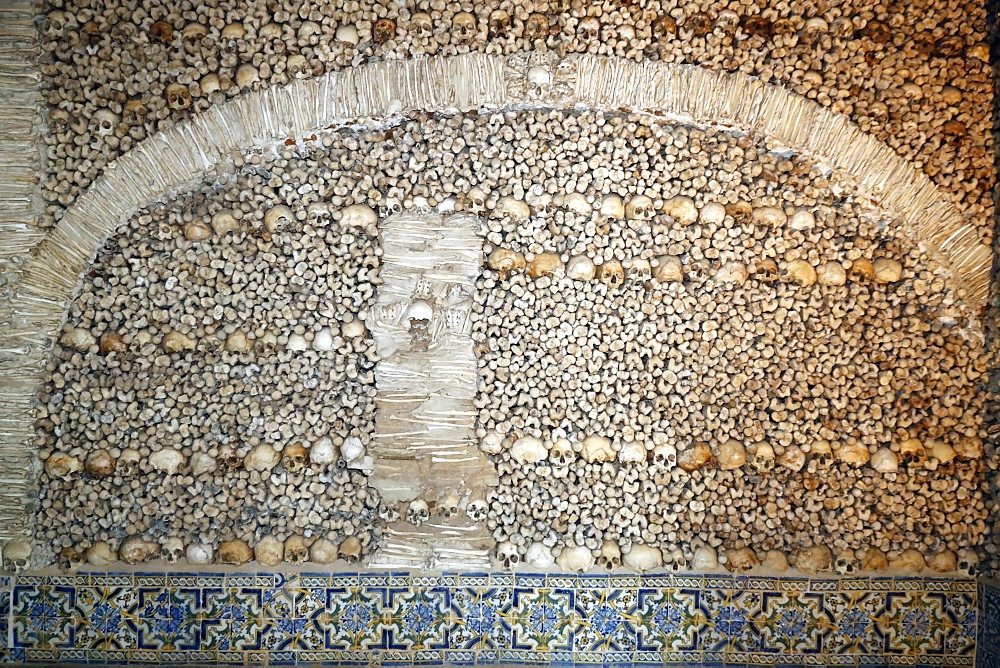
(695, 346)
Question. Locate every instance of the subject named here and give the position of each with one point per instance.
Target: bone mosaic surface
(398, 619)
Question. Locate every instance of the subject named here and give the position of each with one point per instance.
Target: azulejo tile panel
(410, 619)
(988, 639)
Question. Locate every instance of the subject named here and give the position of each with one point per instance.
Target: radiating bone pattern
(720, 319)
(913, 74)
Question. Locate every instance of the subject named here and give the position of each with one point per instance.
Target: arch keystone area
(173, 160)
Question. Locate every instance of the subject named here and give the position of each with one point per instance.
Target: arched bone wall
(169, 161)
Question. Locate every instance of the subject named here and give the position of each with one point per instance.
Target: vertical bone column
(425, 446)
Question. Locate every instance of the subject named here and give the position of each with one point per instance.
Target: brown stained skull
(664, 28)
(877, 32)
(178, 96)
(384, 30)
(536, 27)
(499, 24)
(699, 24)
(757, 26)
(162, 32)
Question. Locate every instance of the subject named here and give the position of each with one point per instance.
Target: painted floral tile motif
(482, 619)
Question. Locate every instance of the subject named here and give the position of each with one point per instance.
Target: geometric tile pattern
(988, 641)
(499, 618)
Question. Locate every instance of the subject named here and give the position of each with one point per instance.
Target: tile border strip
(410, 619)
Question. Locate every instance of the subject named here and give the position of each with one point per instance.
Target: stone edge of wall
(171, 160)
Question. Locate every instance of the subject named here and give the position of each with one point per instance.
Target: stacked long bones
(915, 75)
(691, 353)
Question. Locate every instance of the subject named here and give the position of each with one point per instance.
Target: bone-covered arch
(172, 160)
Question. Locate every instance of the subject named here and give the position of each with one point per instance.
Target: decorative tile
(397, 619)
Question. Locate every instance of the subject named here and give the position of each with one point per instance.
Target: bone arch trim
(171, 160)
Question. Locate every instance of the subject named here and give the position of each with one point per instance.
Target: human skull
(822, 452)
(639, 270)
(681, 209)
(799, 272)
(539, 80)
(642, 558)
(589, 29)
(769, 217)
(127, 465)
(732, 272)
(561, 452)
(71, 559)
(56, 24)
(912, 452)
(106, 121)
(814, 559)
(476, 200)
(246, 76)
(576, 559)
(297, 66)
(885, 461)
(135, 550)
(192, 35)
(545, 264)
(595, 448)
(944, 561)
(674, 559)
(178, 97)
(99, 464)
(741, 212)
(669, 269)
(422, 27)
(464, 27)
(793, 458)
(262, 458)
(704, 559)
(763, 458)
(449, 505)
(580, 268)
(612, 206)
(269, 551)
(861, 272)
(632, 453)
(665, 456)
(886, 270)
(539, 555)
(224, 222)
(712, 213)
(60, 121)
(477, 509)
(296, 551)
(294, 458)
(831, 273)
(814, 29)
(732, 455)
(417, 513)
(611, 273)
(277, 218)
(17, 556)
(234, 553)
(845, 563)
(536, 27)
(350, 549)
(384, 30)
(528, 450)
(169, 460)
(162, 32)
(640, 208)
(172, 549)
(322, 551)
(767, 271)
(741, 560)
(499, 23)
(200, 553)
(507, 556)
(611, 556)
(505, 262)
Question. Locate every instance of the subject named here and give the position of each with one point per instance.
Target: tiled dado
(404, 619)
